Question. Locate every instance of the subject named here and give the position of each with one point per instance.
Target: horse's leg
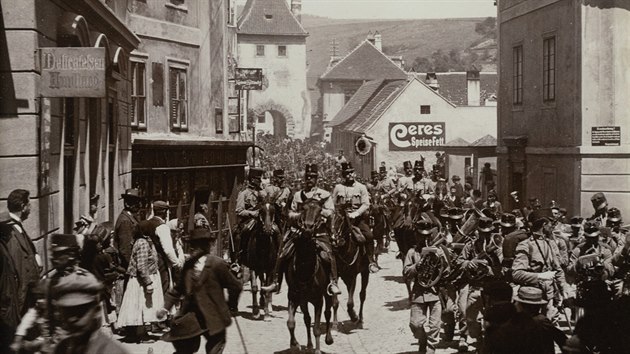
(254, 287)
(365, 278)
(307, 323)
(265, 296)
(328, 304)
(335, 307)
(291, 325)
(351, 284)
(317, 330)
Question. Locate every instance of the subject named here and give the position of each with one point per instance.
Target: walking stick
(555, 286)
(240, 334)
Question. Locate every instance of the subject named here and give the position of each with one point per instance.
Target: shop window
(517, 75)
(138, 95)
(282, 50)
(549, 69)
(425, 109)
(178, 95)
(260, 50)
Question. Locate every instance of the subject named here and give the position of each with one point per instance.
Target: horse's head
(311, 217)
(267, 215)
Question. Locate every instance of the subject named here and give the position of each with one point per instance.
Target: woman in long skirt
(143, 295)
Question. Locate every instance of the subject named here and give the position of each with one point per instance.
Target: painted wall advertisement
(73, 72)
(415, 136)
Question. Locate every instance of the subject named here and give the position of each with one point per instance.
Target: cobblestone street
(385, 328)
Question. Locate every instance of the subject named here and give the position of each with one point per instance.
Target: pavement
(385, 328)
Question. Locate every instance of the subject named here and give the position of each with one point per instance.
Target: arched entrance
(274, 119)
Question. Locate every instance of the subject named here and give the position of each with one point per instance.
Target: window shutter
(173, 103)
(157, 70)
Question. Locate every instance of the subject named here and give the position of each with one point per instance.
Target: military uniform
(246, 204)
(426, 307)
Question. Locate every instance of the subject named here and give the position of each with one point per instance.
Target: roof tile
(358, 101)
(376, 106)
(365, 62)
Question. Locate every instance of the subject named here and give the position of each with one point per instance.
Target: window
(282, 50)
(425, 109)
(517, 78)
(178, 96)
(262, 118)
(218, 119)
(138, 94)
(549, 69)
(260, 50)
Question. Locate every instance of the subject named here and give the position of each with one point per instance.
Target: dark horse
(352, 260)
(306, 277)
(262, 252)
(379, 222)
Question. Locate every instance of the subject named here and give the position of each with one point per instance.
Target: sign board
(415, 136)
(248, 79)
(605, 136)
(73, 72)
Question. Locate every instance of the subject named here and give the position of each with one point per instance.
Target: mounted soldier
(323, 239)
(385, 185)
(352, 197)
(246, 205)
(278, 192)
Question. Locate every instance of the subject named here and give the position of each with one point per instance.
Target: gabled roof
(365, 62)
(358, 101)
(454, 86)
(458, 142)
(376, 106)
(487, 140)
(269, 17)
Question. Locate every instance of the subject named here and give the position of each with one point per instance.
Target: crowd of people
(522, 271)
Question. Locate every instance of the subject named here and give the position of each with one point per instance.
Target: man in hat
(87, 223)
(371, 185)
(600, 205)
(21, 247)
(599, 260)
(76, 299)
(385, 183)
(127, 225)
(200, 290)
(492, 203)
(279, 193)
(481, 260)
(406, 182)
(426, 309)
(340, 159)
(452, 200)
(9, 288)
(512, 236)
(459, 188)
(613, 223)
(537, 263)
(352, 197)
(323, 239)
(246, 209)
(160, 233)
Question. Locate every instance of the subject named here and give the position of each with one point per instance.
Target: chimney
(474, 87)
(296, 9)
(378, 41)
(370, 37)
(432, 82)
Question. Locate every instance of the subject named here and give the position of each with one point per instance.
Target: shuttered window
(178, 97)
(138, 95)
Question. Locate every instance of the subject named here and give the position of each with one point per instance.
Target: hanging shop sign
(248, 79)
(606, 136)
(415, 136)
(73, 72)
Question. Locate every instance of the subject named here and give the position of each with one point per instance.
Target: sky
(398, 9)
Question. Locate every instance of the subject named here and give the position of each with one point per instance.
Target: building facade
(54, 141)
(564, 112)
(271, 37)
(185, 142)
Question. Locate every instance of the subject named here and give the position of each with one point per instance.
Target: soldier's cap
(346, 167)
(530, 295)
(94, 198)
(160, 205)
(614, 215)
(554, 205)
(485, 224)
(576, 221)
(456, 213)
(455, 178)
(183, 327)
(508, 220)
(418, 165)
(407, 164)
(540, 214)
(279, 173)
(492, 193)
(487, 212)
(382, 169)
(59, 242)
(255, 173)
(498, 291)
(82, 222)
(200, 233)
(310, 170)
(424, 227)
(374, 174)
(77, 288)
(131, 193)
(591, 229)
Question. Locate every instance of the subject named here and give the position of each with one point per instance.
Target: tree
(487, 28)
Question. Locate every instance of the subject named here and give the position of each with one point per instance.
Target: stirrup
(329, 289)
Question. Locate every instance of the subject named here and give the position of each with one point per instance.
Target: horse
(379, 222)
(352, 260)
(262, 252)
(306, 277)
